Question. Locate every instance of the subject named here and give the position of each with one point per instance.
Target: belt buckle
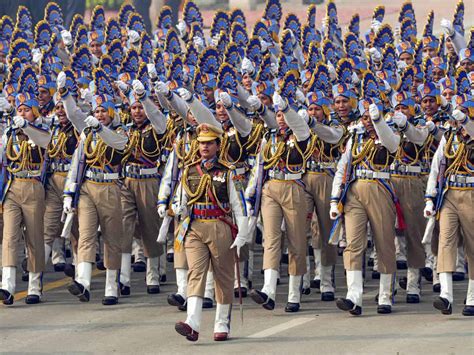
(461, 179)
(100, 175)
(403, 168)
(369, 174)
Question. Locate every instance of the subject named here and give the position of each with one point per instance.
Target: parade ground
(143, 323)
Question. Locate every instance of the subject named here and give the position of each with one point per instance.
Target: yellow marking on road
(54, 285)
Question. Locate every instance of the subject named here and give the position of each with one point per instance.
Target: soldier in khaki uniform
(60, 150)
(22, 190)
(318, 180)
(141, 184)
(282, 161)
(454, 160)
(365, 166)
(92, 182)
(208, 200)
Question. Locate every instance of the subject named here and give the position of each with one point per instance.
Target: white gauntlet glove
(334, 212)
(429, 211)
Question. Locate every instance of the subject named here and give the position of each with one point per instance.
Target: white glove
(397, 34)
(300, 96)
(375, 55)
(225, 98)
(458, 116)
(274, 69)
(66, 37)
(334, 212)
(279, 101)
(152, 73)
(91, 121)
(185, 76)
(67, 205)
(303, 114)
(4, 105)
(215, 39)
(429, 211)
(138, 87)
(355, 78)
(387, 86)
(247, 66)
(198, 42)
(61, 80)
(133, 37)
(375, 25)
(430, 125)
(162, 88)
(374, 112)
(254, 102)
(37, 55)
(444, 102)
(293, 38)
(238, 243)
(401, 64)
(86, 95)
(19, 122)
(332, 71)
(162, 210)
(181, 26)
(185, 94)
(399, 119)
(264, 45)
(447, 27)
(122, 86)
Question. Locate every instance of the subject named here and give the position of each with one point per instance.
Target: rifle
(347, 181)
(441, 182)
(81, 171)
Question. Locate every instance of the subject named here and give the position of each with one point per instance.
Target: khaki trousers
(367, 201)
(284, 200)
(410, 193)
(208, 243)
(99, 205)
(318, 198)
(456, 216)
(54, 210)
(24, 206)
(138, 198)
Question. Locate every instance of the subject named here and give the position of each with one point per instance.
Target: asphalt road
(144, 323)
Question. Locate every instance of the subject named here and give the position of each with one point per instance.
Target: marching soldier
(91, 189)
(59, 154)
(280, 171)
(23, 145)
(362, 190)
(140, 187)
(449, 195)
(208, 199)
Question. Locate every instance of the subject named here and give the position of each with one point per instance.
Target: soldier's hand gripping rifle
(346, 181)
(68, 220)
